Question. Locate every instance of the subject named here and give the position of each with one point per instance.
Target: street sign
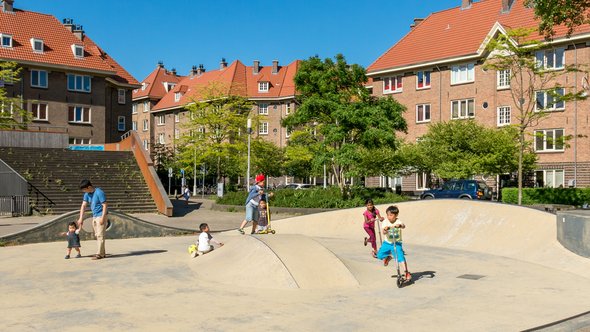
(182, 172)
(170, 172)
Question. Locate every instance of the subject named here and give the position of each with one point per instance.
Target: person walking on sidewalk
(98, 205)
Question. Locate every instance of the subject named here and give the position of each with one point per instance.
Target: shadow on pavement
(137, 253)
(181, 209)
(417, 276)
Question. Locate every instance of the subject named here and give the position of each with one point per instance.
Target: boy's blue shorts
(387, 249)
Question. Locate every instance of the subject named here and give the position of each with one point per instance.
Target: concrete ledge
(573, 231)
(273, 209)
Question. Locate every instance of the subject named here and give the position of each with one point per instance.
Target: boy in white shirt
(392, 227)
(206, 241)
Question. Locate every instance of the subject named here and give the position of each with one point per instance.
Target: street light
(249, 132)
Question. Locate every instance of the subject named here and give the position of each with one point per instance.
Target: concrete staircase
(57, 174)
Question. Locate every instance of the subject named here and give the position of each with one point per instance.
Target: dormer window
(169, 86)
(37, 45)
(78, 50)
(263, 86)
(6, 40)
(144, 86)
(177, 96)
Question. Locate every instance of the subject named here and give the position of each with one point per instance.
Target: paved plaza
(473, 271)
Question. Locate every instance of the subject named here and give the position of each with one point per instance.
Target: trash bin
(398, 189)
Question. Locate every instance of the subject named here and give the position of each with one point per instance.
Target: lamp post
(249, 132)
(195, 172)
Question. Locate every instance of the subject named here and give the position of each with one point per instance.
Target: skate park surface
(477, 266)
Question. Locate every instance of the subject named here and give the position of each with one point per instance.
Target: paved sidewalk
(185, 216)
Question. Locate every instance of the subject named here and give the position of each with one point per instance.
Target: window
(462, 73)
(79, 83)
(550, 178)
(121, 123)
(168, 86)
(422, 113)
(503, 116)
(263, 86)
(549, 140)
(161, 120)
(146, 125)
(177, 117)
(134, 125)
(176, 133)
(288, 132)
(392, 84)
(263, 109)
(503, 81)
(39, 112)
(162, 138)
(462, 109)
(146, 106)
(144, 86)
(78, 50)
(422, 80)
(421, 181)
(79, 114)
(37, 45)
(38, 78)
(287, 108)
(263, 129)
(80, 141)
(121, 96)
(551, 59)
(550, 100)
(6, 40)
(177, 96)
(145, 144)
(6, 111)
(134, 108)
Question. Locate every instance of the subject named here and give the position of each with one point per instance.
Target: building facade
(67, 81)
(437, 72)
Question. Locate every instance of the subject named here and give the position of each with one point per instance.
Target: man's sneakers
(241, 230)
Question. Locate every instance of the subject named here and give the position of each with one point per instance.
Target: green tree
(11, 112)
(266, 158)
(299, 154)
(552, 13)
(336, 106)
(216, 130)
(522, 57)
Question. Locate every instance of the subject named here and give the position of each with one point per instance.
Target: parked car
(464, 189)
(298, 186)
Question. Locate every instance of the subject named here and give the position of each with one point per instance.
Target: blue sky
(183, 33)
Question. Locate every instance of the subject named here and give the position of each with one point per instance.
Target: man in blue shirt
(98, 205)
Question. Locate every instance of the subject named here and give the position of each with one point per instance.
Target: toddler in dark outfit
(73, 239)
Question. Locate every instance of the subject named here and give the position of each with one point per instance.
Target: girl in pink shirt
(370, 215)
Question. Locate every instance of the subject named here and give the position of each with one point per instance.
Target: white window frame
(176, 133)
(80, 141)
(81, 83)
(263, 109)
(82, 120)
(169, 86)
(39, 74)
(288, 132)
(263, 86)
(161, 119)
(145, 144)
(146, 106)
(391, 81)
(463, 73)
(121, 123)
(504, 114)
(146, 125)
(546, 101)
(543, 135)
(4, 113)
(421, 108)
(556, 176)
(162, 138)
(263, 128)
(78, 51)
(421, 179)
(134, 108)
(176, 117)
(423, 74)
(287, 108)
(35, 111)
(503, 79)
(549, 59)
(134, 125)
(10, 40)
(177, 96)
(34, 42)
(121, 96)
(463, 112)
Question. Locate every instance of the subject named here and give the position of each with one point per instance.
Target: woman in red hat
(254, 196)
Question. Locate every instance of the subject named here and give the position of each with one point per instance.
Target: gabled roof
(154, 83)
(58, 40)
(281, 84)
(455, 33)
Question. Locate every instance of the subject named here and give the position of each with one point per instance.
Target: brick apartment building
(67, 81)
(437, 72)
(271, 88)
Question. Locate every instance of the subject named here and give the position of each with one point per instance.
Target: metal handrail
(37, 191)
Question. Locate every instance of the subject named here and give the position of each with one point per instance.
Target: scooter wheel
(272, 232)
(400, 282)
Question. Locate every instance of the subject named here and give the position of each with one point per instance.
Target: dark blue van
(464, 189)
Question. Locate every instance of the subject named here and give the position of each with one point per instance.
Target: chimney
(256, 68)
(193, 71)
(8, 5)
(416, 22)
(275, 66)
(507, 5)
(68, 23)
(160, 64)
(466, 4)
(173, 71)
(222, 64)
(78, 31)
(200, 70)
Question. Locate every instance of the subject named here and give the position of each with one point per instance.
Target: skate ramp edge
(273, 262)
(123, 226)
(493, 228)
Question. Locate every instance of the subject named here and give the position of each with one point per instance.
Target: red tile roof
(58, 40)
(457, 32)
(235, 79)
(154, 82)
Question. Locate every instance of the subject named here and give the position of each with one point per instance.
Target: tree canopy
(11, 112)
(551, 13)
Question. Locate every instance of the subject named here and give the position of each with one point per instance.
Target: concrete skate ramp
(274, 262)
(123, 226)
(486, 227)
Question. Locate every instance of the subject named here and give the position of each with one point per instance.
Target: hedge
(329, 198)
(530, 196)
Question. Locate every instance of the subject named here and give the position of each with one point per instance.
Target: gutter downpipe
(439, 94)
(575, 118)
